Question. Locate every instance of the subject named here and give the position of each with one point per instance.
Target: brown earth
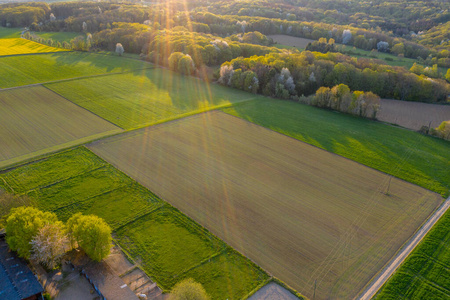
(301, 213)
(290, 40)
(413, 115)
(37, 120)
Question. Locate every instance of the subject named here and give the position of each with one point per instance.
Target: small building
(17, 281)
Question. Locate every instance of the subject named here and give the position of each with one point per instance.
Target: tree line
(311, 70)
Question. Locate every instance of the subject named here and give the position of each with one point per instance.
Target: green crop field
(36, 120)
(22, 46)
(416, 158)
(426, 272)
(169, 246)
(32, 69)
(59, 36)
(9, 33)
(299, 212)
(147, 97)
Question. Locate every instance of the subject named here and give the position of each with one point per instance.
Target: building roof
(16, 279)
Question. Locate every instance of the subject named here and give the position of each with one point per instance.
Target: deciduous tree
(188, 289)
(49, 244)
(9, 201)
(119, 49)
(91, 233)
(23, 224)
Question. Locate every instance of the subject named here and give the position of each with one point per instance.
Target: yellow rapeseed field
(23, 46)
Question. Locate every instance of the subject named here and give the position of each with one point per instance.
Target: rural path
(395, 263)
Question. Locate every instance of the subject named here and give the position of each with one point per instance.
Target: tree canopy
(23, 224)
(188, 289)
(91, 233)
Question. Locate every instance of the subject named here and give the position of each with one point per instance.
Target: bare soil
(413, 115)
(301, 213)
(290, 40)
(273, 291)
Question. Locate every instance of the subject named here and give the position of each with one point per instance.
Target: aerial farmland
(232, 146)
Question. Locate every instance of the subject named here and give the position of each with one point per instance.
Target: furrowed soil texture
(151, 96)
(422, 160)
(426, 272)
(32, 69)
(301, 213)
(35, 120)
(413, 115)
(22, 46)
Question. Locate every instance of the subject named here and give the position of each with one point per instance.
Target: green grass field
(32, 69)
(17, 46)
(168, 245)
(426, 272)
(35, 120)
(413, 157)
(59, 36)
(10, 33)
(147, 97)
(388, 58)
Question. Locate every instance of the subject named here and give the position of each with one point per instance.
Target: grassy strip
(133, 100)
(426, 272)
(32, 69)
(419, 159)
(52, 169)
(124, 205)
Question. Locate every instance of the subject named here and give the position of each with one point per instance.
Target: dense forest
(230, 39)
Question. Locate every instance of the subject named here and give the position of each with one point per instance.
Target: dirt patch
(118, 262)
(290, 40)
(273, 291)
(413, 115)
(76, 288)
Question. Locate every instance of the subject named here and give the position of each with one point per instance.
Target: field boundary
(44, 153)
(37, 53)
(383, 276)
(46, 87)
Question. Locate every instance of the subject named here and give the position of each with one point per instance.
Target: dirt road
(378, 282)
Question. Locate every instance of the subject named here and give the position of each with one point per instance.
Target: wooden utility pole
(389, 185)
(314, 295)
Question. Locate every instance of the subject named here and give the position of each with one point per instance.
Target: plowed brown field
(301, 213)
(413, 115)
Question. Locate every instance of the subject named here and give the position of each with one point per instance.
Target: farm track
(73, 78)
(395, 263)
